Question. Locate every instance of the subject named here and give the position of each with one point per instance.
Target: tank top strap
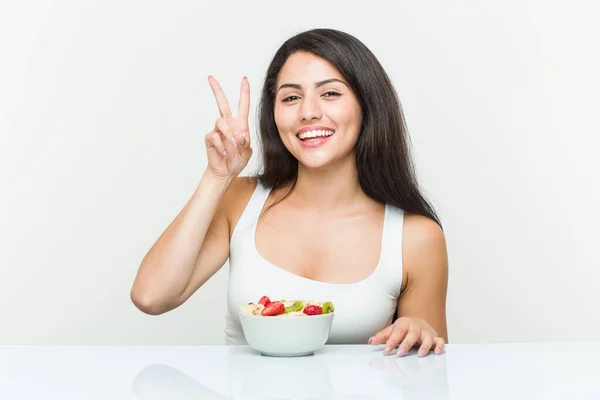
(391, 252)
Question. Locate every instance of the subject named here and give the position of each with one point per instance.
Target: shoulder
(422, 232)
(236, 199)
(424, 250)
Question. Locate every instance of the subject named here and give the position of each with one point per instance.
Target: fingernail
(242, 140)
(234, 141)
(400, 352)
(370, 339)
(225, 154)
(387, 351)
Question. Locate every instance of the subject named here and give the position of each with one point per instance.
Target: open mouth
(315, 136)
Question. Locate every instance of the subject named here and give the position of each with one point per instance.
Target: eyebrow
(318, 84)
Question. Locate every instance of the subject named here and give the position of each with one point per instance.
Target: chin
(321, 161)
(314, 164)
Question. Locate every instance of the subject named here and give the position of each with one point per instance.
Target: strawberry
(265, 301)
(274, 308)
(313, 309)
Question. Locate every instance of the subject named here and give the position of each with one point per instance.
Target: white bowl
(287, 336)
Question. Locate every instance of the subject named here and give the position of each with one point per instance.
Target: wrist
(218, 183)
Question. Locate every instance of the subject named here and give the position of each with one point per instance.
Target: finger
(439, 345)
(427, 341)
(244, 143)
(381, 336)
(400, 330)
(409, 341)
(222, 126)
(245, 153)
(213, 141)
(222, 102)
(244, 103)
(244, 139)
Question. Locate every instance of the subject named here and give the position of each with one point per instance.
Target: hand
(408, 332)
(228, 145)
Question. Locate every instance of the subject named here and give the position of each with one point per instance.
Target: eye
(326, 94)
(289, 98)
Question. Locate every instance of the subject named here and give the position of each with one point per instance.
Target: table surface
(485, 371)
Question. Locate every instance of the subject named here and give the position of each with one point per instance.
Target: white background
(104, 107)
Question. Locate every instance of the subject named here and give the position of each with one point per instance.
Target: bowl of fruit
(286, 328)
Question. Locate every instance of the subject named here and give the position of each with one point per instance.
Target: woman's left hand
(408, 332)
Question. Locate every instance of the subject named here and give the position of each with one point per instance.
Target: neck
(327, 188)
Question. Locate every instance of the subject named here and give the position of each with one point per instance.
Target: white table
(494, 371)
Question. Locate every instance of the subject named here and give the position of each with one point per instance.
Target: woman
(335, 213)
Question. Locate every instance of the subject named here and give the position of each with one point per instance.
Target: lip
(314, 142)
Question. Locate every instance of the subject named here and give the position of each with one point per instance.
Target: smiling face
(317, 114)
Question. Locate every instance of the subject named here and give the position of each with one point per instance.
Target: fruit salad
(291, 308)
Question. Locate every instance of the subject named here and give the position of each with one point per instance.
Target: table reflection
(333, 374)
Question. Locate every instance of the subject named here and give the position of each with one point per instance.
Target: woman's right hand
(228, 145)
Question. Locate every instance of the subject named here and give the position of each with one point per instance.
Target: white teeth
(312, 134)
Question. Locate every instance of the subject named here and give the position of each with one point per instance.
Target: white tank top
(361, 309)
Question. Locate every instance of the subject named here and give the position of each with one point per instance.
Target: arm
(421, 306)
(425, 262)
(191, 250)
(196, 244)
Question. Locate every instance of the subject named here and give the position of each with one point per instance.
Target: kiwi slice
(327, 307)
(297, 306)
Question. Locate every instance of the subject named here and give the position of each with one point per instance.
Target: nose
(310, 109)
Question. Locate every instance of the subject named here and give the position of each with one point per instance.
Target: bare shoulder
(424, 250)
(422, 232)
(236, 199)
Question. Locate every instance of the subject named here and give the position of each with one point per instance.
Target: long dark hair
(385, 169)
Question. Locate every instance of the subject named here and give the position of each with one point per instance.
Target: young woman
(335, 213)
